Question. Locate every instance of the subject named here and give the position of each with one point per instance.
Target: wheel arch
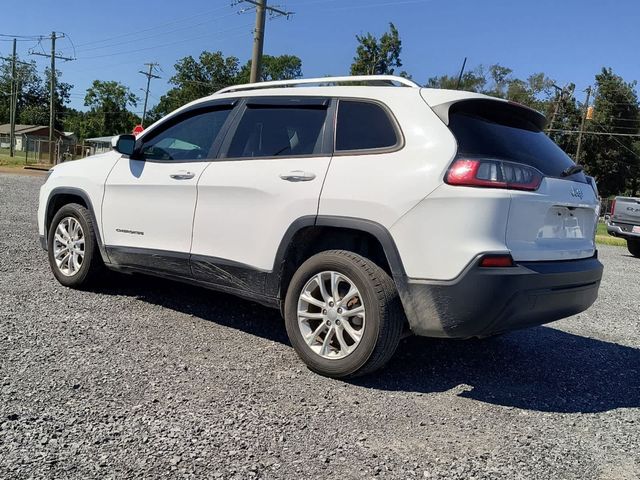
(61, 196)
(310, 235)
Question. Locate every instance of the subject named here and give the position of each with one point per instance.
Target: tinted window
(190, 138)
(509, 132)
(363, 126)
(272, 131)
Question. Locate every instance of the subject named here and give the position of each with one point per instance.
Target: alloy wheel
(68, 246)
(331, 315)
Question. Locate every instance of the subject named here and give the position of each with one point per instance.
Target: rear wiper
(572, 170)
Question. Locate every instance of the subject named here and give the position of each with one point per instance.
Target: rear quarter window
(364, 125)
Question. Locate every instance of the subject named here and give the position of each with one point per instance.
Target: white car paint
(239, 211)
(88, 175)
(145, 207)
(245, 207)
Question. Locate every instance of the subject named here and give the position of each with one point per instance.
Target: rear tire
(634, 247)
(72, 247)
(352, 324)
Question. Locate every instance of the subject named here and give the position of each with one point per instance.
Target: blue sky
(570, 40)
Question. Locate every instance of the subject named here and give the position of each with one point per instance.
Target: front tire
(634, 247)
(72, 247)
(343, 315)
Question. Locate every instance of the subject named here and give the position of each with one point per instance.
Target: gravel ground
(148, 378)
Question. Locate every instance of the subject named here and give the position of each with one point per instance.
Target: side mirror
(124, 144)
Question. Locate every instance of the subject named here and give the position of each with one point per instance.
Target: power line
(22, 37)
(156, 27)
(613, 136)
(158, 34)
(560, 130)
(154, 47)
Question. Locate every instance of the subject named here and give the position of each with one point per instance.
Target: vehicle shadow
(220, 308)
(540, 369)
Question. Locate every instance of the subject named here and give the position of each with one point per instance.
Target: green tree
(109, 103)
(281, 67)
(33, 95)
(562, 108)
(197, 78)
(33, 106)
(194, 79)
(377, 56)
(76, 121)
(471, 81)
(499, 80)
(613, 160)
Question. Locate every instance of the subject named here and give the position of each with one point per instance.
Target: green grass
(17, 161)
(7, 161)
(603, 238)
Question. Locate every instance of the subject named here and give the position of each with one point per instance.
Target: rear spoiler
(484, 104)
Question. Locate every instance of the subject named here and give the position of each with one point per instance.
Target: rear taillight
(496, 261)
(492, 173)
(613, 206)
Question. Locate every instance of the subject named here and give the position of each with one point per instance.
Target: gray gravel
(147, 378)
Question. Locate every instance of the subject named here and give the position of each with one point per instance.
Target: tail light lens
(490, 173)
(497, 261)
(613, 206)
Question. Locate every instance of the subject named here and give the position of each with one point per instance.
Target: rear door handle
(298, 176)
(182, 175)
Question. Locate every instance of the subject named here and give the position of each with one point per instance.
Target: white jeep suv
(364, 208)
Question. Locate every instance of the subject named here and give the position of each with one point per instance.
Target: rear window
(487, 128)
(363, 126)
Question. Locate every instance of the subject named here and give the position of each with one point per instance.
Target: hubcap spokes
(331, 315)
(68, 246)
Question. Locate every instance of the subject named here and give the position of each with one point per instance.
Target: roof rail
(374, 80)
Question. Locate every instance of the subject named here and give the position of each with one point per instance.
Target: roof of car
(378, 87)
(365, 86)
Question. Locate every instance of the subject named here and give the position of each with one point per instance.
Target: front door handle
(182, 175)
(298, 176)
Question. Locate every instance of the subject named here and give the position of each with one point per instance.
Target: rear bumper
(622, 230)
(486, 301)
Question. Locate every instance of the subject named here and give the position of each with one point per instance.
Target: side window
(363, 126)
(273, 131)
(190, 138)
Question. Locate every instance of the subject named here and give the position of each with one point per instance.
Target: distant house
(28, 135)
(98, 145)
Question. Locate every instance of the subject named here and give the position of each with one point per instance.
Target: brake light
(490, 173)
(613, 206)
(493, 261)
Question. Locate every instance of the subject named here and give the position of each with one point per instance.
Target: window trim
(400, 139)
(173, 119)
(280, 101)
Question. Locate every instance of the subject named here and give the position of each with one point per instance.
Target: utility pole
(560, 96)
(13, 100)
(584, 119)
(13, 103)
(52, 88)
(258, 41)
(258, 35)
(149, 76)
